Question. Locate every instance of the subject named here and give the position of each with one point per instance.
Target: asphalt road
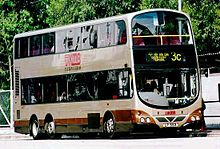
(17, 141)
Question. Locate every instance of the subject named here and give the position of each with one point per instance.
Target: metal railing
(6, 109)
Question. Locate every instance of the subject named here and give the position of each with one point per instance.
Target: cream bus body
(125, 110)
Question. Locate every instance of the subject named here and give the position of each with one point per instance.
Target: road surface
(17, 141)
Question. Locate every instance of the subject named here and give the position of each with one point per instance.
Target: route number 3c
(176, 57)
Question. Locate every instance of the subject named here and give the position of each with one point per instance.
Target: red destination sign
(72, 59)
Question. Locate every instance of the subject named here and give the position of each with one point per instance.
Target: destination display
(164, 57)
(175, 56)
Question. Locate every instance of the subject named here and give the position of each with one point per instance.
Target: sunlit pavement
(9, 134)
(11, 140)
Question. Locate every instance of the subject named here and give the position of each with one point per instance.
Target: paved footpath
(9, 134)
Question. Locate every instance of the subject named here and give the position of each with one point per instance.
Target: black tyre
(35, 130)
(109, 126)
(49, 128)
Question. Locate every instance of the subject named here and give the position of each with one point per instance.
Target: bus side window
(35, 45)
(23, 47)
(120, 31)
(123, 38)
(123, 82)
(24, 92)
(48, 43)
(17, 48)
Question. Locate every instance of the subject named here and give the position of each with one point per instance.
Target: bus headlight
(148, 120)
(197, 118)
(142, 120)
(193, 118)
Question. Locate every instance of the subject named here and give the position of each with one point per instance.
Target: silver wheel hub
(35, 128)
(110, 126)
(50, 127)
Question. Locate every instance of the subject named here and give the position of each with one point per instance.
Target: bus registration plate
(170, 125)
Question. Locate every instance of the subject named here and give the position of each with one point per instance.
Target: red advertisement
(72, 59)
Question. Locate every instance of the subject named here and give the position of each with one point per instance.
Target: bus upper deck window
(161, 19)
(23, 47)
(48, 43)
(17, 48)
(123, 38)
(35, 46)
(121, 31)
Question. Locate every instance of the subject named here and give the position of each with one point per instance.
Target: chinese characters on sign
(163, 57)
(72, 61)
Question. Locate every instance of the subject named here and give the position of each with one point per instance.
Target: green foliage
(11, 22)
(5, 104)
(62, 12)
(149, 4)
(206, 24)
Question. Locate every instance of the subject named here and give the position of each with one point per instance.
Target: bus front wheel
(109, 126)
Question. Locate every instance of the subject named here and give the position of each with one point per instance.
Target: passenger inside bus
(62, 97)
(170, 29)
(150, 87)
(123, 38)
(47, 49)
(33, 99)
(35, 50)
(143, 35)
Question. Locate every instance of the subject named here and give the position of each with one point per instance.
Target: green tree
(36, 9)
(11, 22)
(149, 4)
(62, 12)
(205, 17)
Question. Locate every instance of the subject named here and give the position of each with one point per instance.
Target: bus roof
(90, 22)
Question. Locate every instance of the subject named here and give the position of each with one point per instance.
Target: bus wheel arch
(34, 127)
(109, 125)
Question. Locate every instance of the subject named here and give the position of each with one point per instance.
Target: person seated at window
(123, 38)
(35, 50)
(171, 30)
(47, 49)
(137, 40)
(33, 99)
(62, 97)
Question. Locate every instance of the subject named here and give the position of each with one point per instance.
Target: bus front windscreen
(161, 28)
(165, 60)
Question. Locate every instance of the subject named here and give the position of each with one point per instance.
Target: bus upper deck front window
(160, 28)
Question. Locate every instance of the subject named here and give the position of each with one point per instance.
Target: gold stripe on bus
(120, 116)
(20, 123)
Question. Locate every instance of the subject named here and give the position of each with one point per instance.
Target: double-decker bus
(133, 73)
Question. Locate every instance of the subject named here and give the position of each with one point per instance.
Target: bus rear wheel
(49, 128)
(109, 126)
(35, 129)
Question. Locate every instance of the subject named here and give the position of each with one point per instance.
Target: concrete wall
(210, 92)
